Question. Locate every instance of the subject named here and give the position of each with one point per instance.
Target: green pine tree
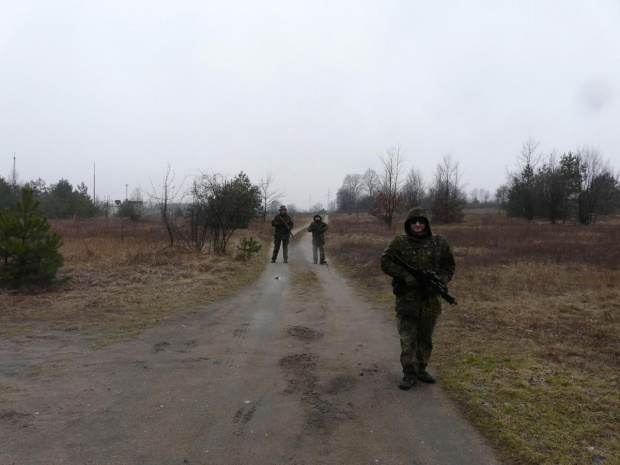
(28, 252)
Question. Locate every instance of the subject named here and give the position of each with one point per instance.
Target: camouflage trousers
(316, 250)
(416, 342)
(276, 247)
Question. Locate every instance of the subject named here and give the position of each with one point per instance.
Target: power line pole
(328, 206)
(14, 175)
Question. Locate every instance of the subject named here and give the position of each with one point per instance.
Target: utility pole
(94, 183)
(14, 176)
(328, 206)
(126, 186)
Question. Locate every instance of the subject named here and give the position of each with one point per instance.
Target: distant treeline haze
(574, 186)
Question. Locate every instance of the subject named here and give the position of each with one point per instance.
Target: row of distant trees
(59, 200)
(201, 212)
(576, 186)
(205, 213)
(197, 213)
(391, 191)
(62, 201)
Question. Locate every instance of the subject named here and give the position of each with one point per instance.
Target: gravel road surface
(294, 369)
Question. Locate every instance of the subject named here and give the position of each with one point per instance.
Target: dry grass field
(531, 352)
(124, 280)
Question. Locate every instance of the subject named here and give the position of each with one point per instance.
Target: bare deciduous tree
(163, 197)
(595, 175)
(414, 188)
(485, 195)
(479, 196)
(522, 187)
(448, 198)
(350, 192)
(291, 209)
(391, 181)
(501, 195)
(196, 222)
(371, 182)
(269, 196)
(317, 207)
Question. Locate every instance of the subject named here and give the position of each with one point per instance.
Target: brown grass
(533, 348)
(531, 352)
(125, 279)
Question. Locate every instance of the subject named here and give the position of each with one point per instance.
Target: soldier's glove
(412, 282)
(399, 287)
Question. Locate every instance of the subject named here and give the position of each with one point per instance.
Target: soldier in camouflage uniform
(416, 314)
(283, 224)
(318, 228)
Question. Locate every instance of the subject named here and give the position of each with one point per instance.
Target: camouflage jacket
(318, 232)
(431, 252)
(283, 225)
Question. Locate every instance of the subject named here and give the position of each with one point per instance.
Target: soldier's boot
(273, 260)
(426, 377)
(407, 382)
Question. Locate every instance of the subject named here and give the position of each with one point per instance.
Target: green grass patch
(535, 411)
(530, 354)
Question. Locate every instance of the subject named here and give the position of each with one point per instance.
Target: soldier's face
(417, 225)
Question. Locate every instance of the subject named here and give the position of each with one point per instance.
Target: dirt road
(292, 370)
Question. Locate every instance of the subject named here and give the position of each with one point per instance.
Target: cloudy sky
(308, 91)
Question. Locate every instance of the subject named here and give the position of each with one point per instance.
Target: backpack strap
(436, 244)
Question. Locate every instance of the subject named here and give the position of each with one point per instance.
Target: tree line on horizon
(391, 192)
(575, 186)
(57, 201)
(204, 211)
(202, 216)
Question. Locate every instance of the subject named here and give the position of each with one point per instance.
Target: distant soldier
(417, 307)
(318, 228)
(283, 224)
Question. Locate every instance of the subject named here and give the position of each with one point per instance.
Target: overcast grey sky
(309, 91)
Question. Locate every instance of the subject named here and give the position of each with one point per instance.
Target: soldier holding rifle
(318, 228)
(421, 264)
(284, 225)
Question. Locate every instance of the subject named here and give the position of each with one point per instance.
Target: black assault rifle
(287, 227)
(428, 280)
